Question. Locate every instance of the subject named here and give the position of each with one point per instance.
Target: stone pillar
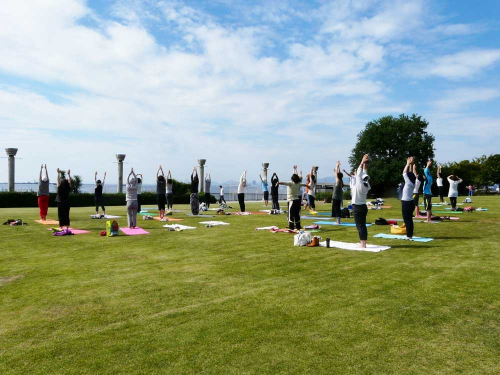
(265, 167)
(120, 158)
(11, 152)
(202, 162)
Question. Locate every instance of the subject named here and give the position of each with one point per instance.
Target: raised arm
(104, 179)
(407, 168)
(41, 168)
(131, 174)
(362, 165)
(95, 177)
(169, 174)
(46, 173)
(347, 173)
(58, 177)
(69, 177)
(160, 169)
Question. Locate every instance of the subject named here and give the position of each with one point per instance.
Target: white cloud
(462, 97)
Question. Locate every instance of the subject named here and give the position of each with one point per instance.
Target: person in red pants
(43, 193)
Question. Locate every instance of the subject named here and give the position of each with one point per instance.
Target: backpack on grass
(111, 228)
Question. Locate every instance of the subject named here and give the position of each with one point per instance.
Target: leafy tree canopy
(389, 141)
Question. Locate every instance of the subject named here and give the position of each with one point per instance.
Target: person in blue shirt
(265, 190)
(427, 190)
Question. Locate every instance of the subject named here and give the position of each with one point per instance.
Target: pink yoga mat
(134, 232)
(75, 231)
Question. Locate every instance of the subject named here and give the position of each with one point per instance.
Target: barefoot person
(407, 203)
(98, 194)
(439, 182)
(170, 192)
(241, 191)
(43, 193)
(337, 193)
(161, 191)
(208, 183)
(453, 192)
(427, 190)
(265, 190)
(221, 195)
(293, 199)
(194, 200)
(131, 198)
(275, 191)
(311, 195)
(359, 194)
(62, 199)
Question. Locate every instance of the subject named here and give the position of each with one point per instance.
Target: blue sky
(240, 82)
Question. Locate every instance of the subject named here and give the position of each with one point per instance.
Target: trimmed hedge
(346, 195)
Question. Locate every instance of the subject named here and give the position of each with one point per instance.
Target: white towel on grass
(355, 246)
(268, 228)
(213, 223)
(178, 226)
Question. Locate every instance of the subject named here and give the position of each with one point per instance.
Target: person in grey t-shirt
(131, 198)
(43, 193)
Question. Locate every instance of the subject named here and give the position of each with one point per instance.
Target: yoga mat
(178, 227)
(433, 205)
(108, 217)
(416, 220)
(214, 223)
(482, 209)
(134, 231)
(200, 215)
(402, 237)
(48, 222)
(147, 214)
(167, 219)
(156, 209)
(355, 246)
(335, 223)
(316, 218)
(267, 228)
(323, 213)
(445, 212)
(74, 231)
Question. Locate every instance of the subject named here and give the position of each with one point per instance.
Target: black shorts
(161, 199)
(416, 197)
(266, 195)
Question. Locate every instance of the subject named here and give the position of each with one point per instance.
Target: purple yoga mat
(134, 232)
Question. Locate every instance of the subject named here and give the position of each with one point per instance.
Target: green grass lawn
(233, 300)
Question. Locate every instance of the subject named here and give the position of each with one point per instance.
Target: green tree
(490, 170)
(389, 141)
(76, 182)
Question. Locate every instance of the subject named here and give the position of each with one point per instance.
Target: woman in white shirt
(358, 200)
(453, 192)
(293, 199)
(241, 191)
(407, 203)
(439, 182)
(312, 190)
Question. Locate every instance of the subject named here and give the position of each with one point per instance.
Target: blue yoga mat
(335, 223)
(322, 214)
(316, 218)
(401, 237)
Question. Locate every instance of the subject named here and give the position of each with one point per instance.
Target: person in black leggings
(407, 203)
(98, 194)
(161, 191)
(62, 199)
(275, 191)
(359, 194)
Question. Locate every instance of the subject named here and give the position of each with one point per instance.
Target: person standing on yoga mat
(170, 193)
(221, 195)
(265, 190)
(62, 199)
(358, 200)
(43, 193)
(275, 191)
(337, 193)
(439, 182)
(98, 194)
(416, 194)
(407, 203)
(427, 190)
(311, 196)
(139, 191)
(241, 191)
(453, 192)
(208, 183)
(305, 195)
(194, 200)
(293, 199)
(131, 198)
(161, 191)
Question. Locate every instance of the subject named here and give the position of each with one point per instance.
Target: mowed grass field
(238, 301)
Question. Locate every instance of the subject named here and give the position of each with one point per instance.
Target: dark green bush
(346, 195)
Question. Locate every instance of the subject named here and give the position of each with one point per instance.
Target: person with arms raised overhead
(359, 194)
(265, 190)
(453, 192)
(131, 198)
(439, 182)
(43, 193)
(170, 193)
(337, 193)
(311, 195)
(98, 194)
(62, 199)
(161, 191)
(194, 200)
(275, 191)
(293, 199)
(416, 194)
(208, 183)
(241, 191)
(407, 203)
(427, 190)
